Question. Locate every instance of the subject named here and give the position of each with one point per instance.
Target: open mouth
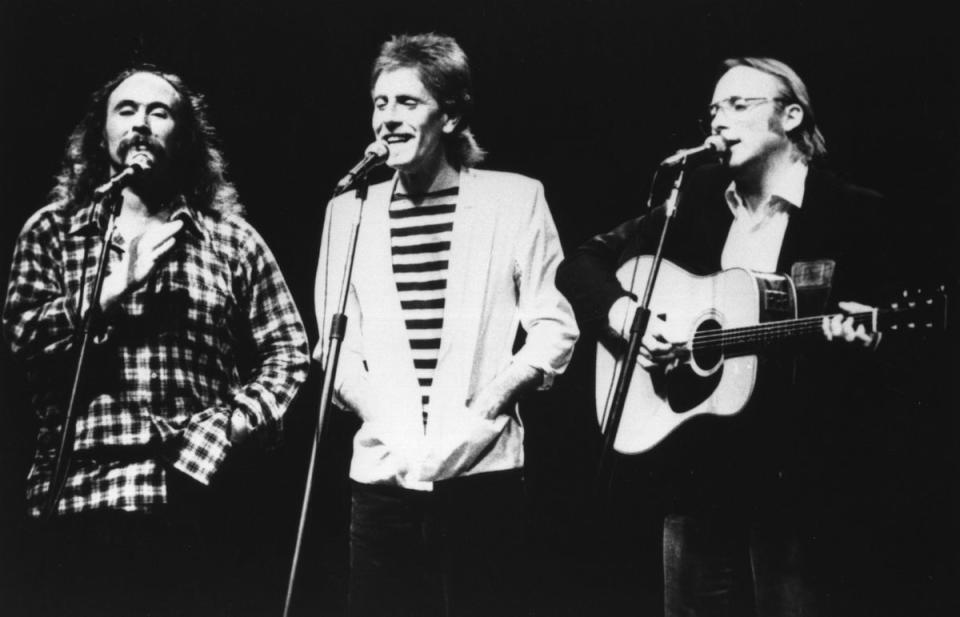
(138, 145)
(728, 148)
(397, 138)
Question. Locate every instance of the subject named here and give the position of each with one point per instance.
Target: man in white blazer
(450, 261)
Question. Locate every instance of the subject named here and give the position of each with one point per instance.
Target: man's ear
(792, 117)
(450, 123)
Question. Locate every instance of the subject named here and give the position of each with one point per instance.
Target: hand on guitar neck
(843, 327)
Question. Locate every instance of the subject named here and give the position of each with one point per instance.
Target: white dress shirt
(756, 237)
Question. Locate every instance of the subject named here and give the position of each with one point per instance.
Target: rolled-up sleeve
(545, 314)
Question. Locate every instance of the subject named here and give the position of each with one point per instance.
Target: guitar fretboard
(745, 339)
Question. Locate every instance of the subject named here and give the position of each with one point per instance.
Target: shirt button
(154, 375)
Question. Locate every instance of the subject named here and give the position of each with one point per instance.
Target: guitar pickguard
(657, 401)
(683, 389)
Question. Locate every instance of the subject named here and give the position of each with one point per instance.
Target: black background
(586, 96)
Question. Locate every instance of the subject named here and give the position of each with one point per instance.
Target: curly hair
(445, 72)
(199, 169)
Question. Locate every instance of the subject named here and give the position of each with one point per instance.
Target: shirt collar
(93, 216)
(191, 220)
(88, 217)
(788, 188)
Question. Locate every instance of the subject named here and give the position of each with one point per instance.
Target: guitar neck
(750, 339)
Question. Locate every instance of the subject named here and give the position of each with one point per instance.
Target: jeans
(456, 551)
(714, 566)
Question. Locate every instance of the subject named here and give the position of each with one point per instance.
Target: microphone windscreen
(142, 160)
(716, 143)
(378, 149)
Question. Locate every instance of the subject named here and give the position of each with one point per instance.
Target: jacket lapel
(466, 283)
(807, 222)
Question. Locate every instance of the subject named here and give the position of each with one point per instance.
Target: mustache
(152, 146)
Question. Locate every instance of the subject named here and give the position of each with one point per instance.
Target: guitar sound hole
(684, 389)
(705, 356)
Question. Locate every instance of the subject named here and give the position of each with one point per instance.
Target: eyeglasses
(733, 106)
(738, 105)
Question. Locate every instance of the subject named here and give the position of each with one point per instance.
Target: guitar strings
(775, 330)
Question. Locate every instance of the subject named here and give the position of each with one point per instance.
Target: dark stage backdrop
(586, 96)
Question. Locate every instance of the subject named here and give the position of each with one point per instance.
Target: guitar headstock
(916, 310)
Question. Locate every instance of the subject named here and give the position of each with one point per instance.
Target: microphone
(375, 154)
(714, 145)
(139, 164)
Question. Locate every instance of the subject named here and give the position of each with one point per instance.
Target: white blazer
(504, 255)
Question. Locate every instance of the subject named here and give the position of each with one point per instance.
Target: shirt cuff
(205, 442)
(547, 372)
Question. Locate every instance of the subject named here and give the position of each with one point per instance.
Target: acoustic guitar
(726, 319)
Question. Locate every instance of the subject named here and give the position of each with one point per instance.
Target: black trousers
(108, 563)
(457, 551)
(709, 560)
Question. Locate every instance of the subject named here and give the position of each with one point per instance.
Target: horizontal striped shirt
(420, 231)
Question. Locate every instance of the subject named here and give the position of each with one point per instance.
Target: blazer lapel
(466, 283)
(805, 221)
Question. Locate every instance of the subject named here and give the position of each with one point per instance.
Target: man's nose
(389, 115)
(141, 122)
(718, 122)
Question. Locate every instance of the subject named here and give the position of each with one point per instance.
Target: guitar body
(659, 401)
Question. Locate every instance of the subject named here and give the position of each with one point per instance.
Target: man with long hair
(450, 260)
(734, 502)
(197, 345)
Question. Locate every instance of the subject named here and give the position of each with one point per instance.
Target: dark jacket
(836, 221)
(781, 431)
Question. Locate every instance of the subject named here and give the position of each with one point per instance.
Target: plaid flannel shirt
(214, 328)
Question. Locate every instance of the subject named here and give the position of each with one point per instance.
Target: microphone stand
(638, 328)
(338, 327)
(113, 201)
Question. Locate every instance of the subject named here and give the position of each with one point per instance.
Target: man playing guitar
(767, 208)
